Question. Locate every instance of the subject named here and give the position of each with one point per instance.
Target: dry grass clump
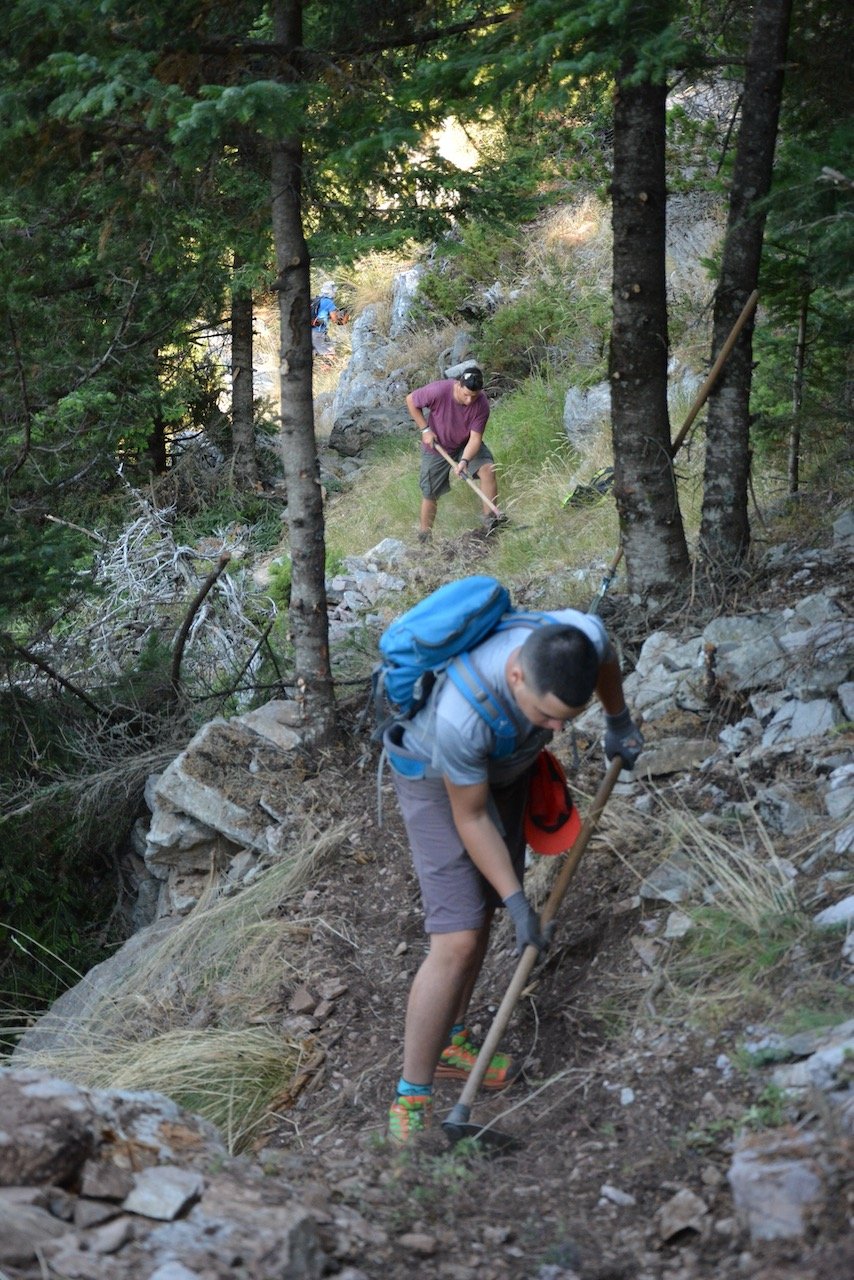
(579, 233)
(739, 865)
(194, 1018)
(370, 280)
(230, 953)
(232, 1078)
(748, 930)
(750, 951)
(424, 347)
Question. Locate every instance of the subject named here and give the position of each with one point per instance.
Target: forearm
(471, 448)
(486, 848)
(416, 415)
(609, 686)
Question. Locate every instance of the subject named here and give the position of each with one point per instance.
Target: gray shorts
(454, 893)
(435, 476)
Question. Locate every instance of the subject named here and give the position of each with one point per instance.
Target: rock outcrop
(107, 1185)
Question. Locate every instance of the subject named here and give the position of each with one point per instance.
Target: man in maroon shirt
(458, 412)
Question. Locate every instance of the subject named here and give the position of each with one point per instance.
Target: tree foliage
(808, 262)
(135, 172)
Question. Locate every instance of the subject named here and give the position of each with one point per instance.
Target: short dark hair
(560, 660)
(471, 378)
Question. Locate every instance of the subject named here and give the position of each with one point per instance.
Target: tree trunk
(309, 626)
(155, 456)
(644, 482)
(724, 529)
(798, 395)
(244, 457)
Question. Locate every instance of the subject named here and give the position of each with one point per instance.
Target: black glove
(527, 922)
(623, 738)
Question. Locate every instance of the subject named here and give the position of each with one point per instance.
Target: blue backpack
(435, 636)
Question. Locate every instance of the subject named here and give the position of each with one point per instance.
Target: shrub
(546, 326)
(480, 255)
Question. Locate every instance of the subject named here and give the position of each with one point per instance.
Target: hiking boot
(460, 1056)
(408, 1116)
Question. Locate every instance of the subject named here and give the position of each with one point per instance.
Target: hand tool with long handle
(700, 399)
(606, 580)
(712, 376)
(435, 445)
(456, 1124)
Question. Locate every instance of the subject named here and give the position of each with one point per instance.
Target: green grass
(835, 1008)
(562, 549)
(564, 259)
(537, 469)
(723, 946)
(382, 503)
(771, 1110)
(526, 427)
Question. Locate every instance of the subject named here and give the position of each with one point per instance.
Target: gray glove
(623, 738)
(527, 922)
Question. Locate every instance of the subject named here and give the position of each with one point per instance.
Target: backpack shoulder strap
(524, 618)
(463, 672)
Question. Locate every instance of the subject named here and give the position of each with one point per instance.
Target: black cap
(471, 378)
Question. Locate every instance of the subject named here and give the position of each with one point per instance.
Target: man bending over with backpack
(458, 411)
(464, 814)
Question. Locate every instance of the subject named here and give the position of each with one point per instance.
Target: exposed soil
(619, 1090)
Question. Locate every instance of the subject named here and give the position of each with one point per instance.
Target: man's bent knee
(457, 950)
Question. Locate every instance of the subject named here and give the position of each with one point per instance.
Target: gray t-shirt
(455, 742)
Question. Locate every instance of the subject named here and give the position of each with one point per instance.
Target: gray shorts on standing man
(435, 475)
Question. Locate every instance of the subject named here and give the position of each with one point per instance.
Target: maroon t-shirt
(452, 423)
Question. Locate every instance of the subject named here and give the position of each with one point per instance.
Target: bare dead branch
(181, 640)
(68, 525)
(36, 661)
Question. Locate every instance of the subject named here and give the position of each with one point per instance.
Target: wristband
(423, 429)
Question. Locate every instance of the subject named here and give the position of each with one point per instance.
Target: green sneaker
(408, 1116)
(460, 1056)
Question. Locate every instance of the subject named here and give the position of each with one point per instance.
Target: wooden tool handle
(435, 445)
(529, 956)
